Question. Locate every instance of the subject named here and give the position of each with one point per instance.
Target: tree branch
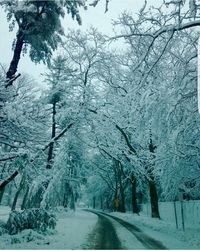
(159, 32)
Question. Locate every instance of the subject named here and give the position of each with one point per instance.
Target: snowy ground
(4, 212)
(163, 231)
(74, 231)
(128, 241)
(71, 233)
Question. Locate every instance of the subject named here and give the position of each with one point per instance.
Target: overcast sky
(92, 17)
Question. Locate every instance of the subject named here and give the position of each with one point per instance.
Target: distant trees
(138, 103)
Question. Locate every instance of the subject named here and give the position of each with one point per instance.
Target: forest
(113, 125)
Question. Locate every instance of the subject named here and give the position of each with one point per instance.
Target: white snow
(4, 213)
(73, 229)
(191, 213)
(163, 231)
(127, 239)
(71, 233)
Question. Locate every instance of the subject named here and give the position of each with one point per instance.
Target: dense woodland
(117, 126)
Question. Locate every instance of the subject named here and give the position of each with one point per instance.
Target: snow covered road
(83, 230)
(107, 238)
(92, 229)
(104, 235)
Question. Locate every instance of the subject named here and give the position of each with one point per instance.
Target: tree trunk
(154, 200)
(94, 202)
(65, 200)
(116, 198)
(17, 195)
(1, 194)
(53, 134)
(121, 189)
(122, 202)
(15, 199)
(23, 205)
(72, 201)
(101, 202)
(134, 195)
(152, 185)
(116, 201)
(16, 57)
(9, 197)
(66, 195)
(140, 200)
(122, 207)
(107, 203)
(8, 180)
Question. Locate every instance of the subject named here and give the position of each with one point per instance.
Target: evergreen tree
(39, 28)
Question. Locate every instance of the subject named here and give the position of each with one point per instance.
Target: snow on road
(163, 231)
(104, 235)
(137, 239)
(128, 240)
(71, 232)
(77, 230)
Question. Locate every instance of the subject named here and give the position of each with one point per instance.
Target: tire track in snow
(146, 240)
(104, 235)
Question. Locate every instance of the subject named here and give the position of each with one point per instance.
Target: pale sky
(92, 17)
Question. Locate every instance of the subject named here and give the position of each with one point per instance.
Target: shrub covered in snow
(3, 229)
(26, 236)
(37, 219)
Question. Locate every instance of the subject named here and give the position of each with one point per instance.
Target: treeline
(114, 128)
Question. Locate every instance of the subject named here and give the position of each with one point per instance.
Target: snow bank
(163, 231)
(71, 232)
(18, 241)
(191, 213)
(4, 213)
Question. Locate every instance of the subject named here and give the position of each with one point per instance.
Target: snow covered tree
(57, 77)
(23, 125)
(39, 27)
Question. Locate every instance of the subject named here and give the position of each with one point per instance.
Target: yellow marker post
(116, 203)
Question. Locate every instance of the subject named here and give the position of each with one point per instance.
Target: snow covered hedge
(37, 219)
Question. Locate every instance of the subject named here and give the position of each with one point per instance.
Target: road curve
(146, 240)
(104, 235)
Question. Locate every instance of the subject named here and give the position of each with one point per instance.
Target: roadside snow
(163, 231)
(73, 229)
(4, 213)
(71, 233)
(127, 239)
